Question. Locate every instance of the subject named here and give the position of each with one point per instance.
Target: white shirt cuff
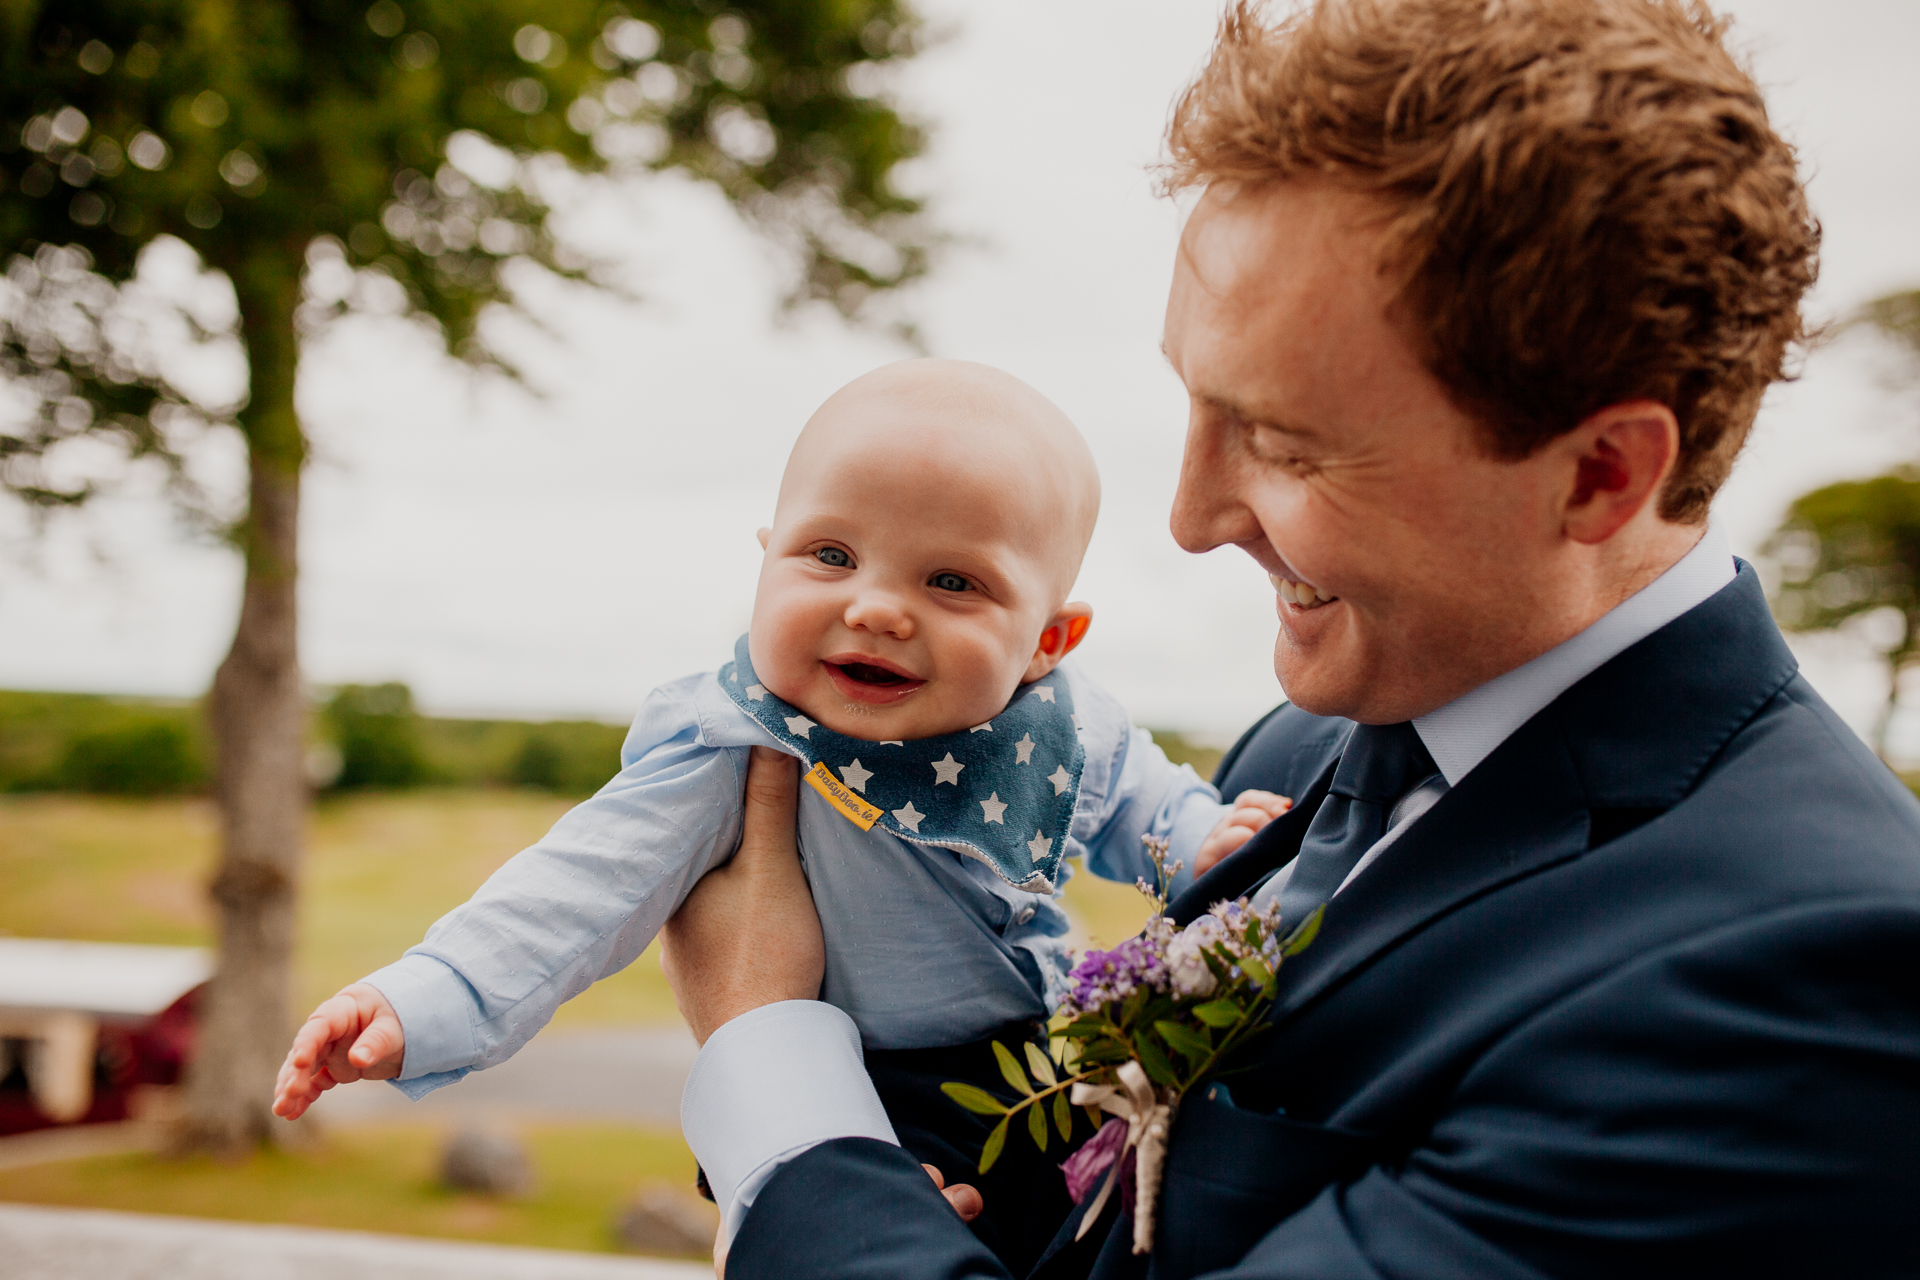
(773, 1083)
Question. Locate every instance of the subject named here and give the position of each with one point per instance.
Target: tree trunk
(258, 718)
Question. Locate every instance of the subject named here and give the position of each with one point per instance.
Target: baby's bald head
(961, 425)
(932, 519)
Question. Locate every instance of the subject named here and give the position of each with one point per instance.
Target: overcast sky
(503, 554)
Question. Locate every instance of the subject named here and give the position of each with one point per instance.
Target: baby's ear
(1060, 637)
(763, 535)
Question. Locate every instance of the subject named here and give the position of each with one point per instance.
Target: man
(1615, 976)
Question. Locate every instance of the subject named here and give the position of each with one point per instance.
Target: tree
(308, 151)
(1852, 550)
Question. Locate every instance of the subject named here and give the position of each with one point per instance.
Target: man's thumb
(773, 783)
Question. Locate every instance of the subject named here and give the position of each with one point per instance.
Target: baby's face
(915, 561)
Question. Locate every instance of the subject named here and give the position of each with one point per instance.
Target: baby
(906, 645)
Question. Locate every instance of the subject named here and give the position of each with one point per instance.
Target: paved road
(89, 1244)
(631, 1075)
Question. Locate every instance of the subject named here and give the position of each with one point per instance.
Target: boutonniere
(1141, 1025)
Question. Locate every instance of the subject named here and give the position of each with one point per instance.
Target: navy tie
(1380, 765)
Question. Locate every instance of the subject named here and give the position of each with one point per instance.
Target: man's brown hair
(1586, 203)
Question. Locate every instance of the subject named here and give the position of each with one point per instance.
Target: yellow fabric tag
(857, 811)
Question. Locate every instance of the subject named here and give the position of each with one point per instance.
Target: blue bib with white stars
(1002, 792)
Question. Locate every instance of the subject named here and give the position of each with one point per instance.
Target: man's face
(1319, 444)
(901, 596)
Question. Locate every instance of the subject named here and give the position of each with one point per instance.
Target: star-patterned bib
(1002, 792)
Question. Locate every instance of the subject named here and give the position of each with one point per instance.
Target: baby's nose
(880, 612)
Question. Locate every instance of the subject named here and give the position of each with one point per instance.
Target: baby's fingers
(337, 1018)
(1263, 802)
(380, 1043)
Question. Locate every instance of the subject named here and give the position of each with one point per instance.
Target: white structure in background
(55, 996)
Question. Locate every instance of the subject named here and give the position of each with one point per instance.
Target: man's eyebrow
(1255, 419)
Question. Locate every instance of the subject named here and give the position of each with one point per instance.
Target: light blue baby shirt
(925, 947)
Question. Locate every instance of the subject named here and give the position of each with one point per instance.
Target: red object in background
(93, 1032)
(154, 1052)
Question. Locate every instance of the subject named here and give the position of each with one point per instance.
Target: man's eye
(950, 582)
(834, 556)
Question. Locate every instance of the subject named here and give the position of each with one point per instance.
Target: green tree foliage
(420, 142)
(315, 155)
(1850, 550)
(377, 733)
(1897, 318)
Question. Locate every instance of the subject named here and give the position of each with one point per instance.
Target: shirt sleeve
(577, 906)
(773, 1083)
(1130, 790)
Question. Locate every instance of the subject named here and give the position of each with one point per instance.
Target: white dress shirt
(743, 1118)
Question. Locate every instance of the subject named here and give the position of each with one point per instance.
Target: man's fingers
(965, 1200)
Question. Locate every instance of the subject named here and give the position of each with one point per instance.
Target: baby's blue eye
(833, 556)
(950, 582)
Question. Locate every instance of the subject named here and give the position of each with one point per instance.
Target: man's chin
(1322, 688)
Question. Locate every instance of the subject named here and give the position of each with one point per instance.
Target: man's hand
(748, 934)
(353, 1036)
(1251, 811)
(965, 1201)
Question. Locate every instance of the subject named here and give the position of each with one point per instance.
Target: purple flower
(1085, 1167)
(1102, 977)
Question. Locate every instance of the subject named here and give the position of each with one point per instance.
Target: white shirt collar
(1465, 731)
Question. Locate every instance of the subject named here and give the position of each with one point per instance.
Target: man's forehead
(1244, 247)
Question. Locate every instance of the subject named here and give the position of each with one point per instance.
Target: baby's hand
(355, 1035)
(1251, 811)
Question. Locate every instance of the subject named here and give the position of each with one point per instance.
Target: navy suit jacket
(1639, 997)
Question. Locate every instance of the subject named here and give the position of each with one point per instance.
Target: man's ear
(1060, 637)
(763, 535)
(1621, 456)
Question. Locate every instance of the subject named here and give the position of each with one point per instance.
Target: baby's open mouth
(869, 681)
(863, 673)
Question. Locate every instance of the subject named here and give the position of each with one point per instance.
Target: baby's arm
(1142, 793)
(579, 905)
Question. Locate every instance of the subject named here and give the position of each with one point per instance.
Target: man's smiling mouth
(1300, 594)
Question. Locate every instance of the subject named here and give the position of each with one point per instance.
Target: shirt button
(1025, 914)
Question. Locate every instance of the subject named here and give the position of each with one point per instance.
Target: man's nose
(880, 612)
(1208, 511)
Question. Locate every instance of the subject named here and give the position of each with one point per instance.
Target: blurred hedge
(85, 742)
(364, 737)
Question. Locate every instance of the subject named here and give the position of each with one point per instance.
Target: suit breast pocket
(1232, 1175)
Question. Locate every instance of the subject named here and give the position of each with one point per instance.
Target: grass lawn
(380, 869)
(382, 1179)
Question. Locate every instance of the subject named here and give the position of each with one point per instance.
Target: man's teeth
(1300, 593)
